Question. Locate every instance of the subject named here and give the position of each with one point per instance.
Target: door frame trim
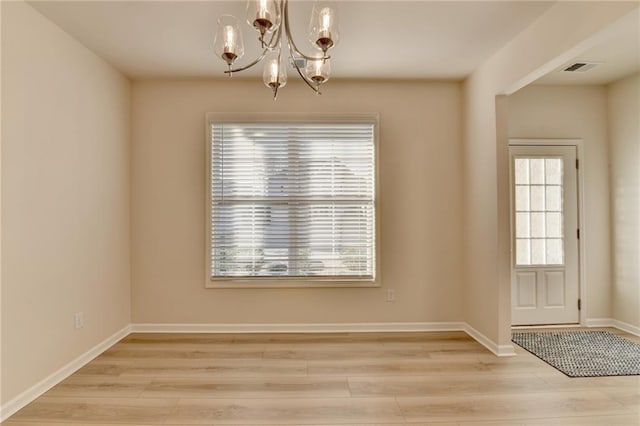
(582, 277)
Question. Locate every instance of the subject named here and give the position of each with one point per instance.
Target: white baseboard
(15, 404)
(599, 322)
(610, 322)
(365, 327)
(499, 350)
(629, 328)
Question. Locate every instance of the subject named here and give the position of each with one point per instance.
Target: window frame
(283, 281)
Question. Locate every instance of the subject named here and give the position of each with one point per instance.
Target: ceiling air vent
(581, 66)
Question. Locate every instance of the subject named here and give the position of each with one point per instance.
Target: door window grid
(538, 210)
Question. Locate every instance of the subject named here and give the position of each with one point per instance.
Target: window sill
(289, 283)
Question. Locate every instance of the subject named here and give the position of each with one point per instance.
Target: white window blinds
(292, 200)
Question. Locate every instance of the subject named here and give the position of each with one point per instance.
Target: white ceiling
(618, 56)
(379, 39)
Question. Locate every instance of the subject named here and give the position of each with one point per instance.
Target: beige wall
(420, 204)
(65, 198)
(624, 138)
(540, 48)
(577, 112)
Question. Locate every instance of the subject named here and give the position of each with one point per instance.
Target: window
(292, 200)
(539, 215)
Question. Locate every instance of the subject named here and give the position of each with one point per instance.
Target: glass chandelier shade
(318, 70)
(323, 28)
(264, 16)
(228, 43)
(275, 74)
(270, 18)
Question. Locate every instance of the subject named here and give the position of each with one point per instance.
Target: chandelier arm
(246, 67)
(277, 86)
(291, 43)
(274, 36)
(275, 39)
(300, 73)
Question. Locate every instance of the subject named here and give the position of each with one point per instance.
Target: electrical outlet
(391, 295)
(79, 319)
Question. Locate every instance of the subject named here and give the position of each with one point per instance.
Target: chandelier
(270, 18)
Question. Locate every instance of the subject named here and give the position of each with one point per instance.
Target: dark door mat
(583, 353)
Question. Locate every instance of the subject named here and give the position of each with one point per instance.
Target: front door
(544, 204)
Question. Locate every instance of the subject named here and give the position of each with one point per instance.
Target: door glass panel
(553, 171)
(539, 213)
(522, 225)
(554, 251)
(523, 251)
(522, 171)
(536, 171)
(537, 251)
(553, 199)
(554, 225)
(537, 198)
(537, 225)
(522, 197)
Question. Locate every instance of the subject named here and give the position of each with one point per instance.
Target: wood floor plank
(419, 336)
(509, 406)
(322, 346)
(69, 423)
(180, 353)
(65, 423)
(19, 423)
(418, 367)
(629, 397)
(177, 338)
(517, 364)
(623, 420)
(215, 346)
(631, 420)
(100, 366)
(453, 384)
(98, 410)
(448, 350)
(274, 387)
(99, 386)
(215, 368)
(560, 381)
(286, 411)
(339, 354)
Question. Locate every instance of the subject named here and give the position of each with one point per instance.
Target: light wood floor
(339, 379)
